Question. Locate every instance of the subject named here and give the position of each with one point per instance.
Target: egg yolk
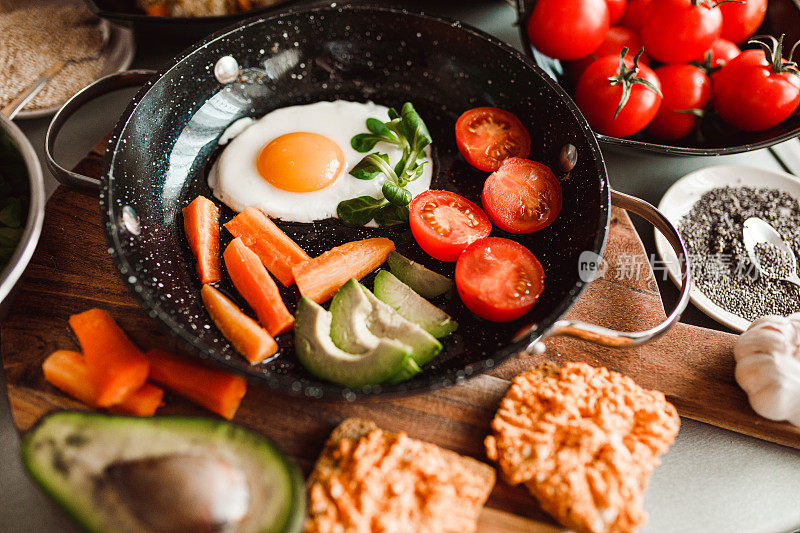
(300, 162)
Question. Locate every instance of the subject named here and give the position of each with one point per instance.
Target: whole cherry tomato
(679, 31)
(722, 51)
(686, 89)
(617, 38)
(568, 29)
(616, 8)
(618, 96)
(741, 20)
(757, 89)
(635, 12)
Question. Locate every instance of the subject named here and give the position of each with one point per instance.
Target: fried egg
(294, 163)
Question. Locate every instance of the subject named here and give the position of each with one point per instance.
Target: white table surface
(711, 479)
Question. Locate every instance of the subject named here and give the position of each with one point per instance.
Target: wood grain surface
(71, 271)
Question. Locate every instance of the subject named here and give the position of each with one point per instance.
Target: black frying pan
(162, 147)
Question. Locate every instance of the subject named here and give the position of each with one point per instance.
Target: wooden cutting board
(71, 272)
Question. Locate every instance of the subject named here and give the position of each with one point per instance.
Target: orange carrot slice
(201, 224)
(318, 279)
(117, 367)
(67, 371)
(255, 284)
(276, 250)
(217, 391)
(246, 336)
(244, 5)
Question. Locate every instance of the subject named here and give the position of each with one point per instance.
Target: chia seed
(775, 262)
(721, 268)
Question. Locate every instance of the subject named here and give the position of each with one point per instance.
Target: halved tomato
(499, 279)
(522, 196)
(444, 223)
(488, 135)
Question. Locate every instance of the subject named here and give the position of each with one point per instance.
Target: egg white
(235, 180)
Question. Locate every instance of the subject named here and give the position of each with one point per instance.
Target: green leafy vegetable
(359, 211)
(396, 195)
(405, 130)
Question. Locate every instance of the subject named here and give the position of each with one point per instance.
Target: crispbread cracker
(462, 494)
(584, 441)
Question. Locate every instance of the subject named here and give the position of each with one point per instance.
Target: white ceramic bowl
(681, 197)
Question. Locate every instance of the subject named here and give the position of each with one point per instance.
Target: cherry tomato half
(487, 135)
(568, 29)
(444, 223)
(685, 88)
(749, 94)
(617, 38)
(741, 20)
(499, 279)
(522, 196)
(679, 31)
(599, 99)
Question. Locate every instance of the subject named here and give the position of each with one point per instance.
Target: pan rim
(324, 390)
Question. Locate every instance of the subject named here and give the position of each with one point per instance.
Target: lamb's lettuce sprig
(405, 130)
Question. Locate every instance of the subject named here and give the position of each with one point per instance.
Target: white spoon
(756, 231)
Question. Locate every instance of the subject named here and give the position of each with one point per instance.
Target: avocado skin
(47, 430)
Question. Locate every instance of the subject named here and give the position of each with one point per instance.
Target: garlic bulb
(768, 367)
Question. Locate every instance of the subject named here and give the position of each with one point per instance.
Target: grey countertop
(711, 479)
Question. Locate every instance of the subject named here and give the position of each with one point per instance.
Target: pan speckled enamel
(162, 148)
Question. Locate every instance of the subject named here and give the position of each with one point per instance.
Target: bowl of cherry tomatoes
(684, 77)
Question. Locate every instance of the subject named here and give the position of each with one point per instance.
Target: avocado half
(120, 474)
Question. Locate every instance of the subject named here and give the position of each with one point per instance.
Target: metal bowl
(33, 226)
(783, 17)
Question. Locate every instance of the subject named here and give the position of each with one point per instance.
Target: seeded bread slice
(358, 428)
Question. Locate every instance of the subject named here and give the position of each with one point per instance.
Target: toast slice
(584, 441)
(366, 479)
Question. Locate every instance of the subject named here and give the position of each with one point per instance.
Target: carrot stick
(117, 367)
(255, 284)
(246, 336)
(318, 279)
(67, 371)
(213, 389)
(201, 224)
(277, 251)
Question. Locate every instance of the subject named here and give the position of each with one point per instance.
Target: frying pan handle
(107, 84)
(623, 339)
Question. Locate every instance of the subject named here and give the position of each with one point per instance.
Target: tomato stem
(773, 52)
(628, 78)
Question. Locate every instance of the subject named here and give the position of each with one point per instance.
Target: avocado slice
(424, 281)
(375, 361)
(412, 306)
(127, 474)
(358, 315)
